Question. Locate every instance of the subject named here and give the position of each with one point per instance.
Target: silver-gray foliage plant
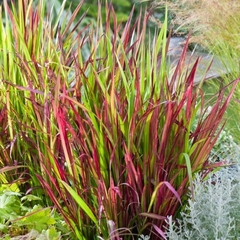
(214, 211)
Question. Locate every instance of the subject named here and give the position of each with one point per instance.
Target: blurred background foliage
(122, 9)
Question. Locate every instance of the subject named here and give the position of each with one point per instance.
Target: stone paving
(216, 67)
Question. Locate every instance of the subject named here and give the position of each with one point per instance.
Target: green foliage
(122, 8)
(49, 234)
(39, 220)
(20, 217)
(9, 206)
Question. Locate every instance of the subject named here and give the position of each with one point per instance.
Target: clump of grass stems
(108, 137)
(215, 26)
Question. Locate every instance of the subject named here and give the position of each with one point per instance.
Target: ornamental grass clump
(106, 137)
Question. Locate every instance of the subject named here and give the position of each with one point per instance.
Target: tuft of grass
(215, 26)
(106, 137)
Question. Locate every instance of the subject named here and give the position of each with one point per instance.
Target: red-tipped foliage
(112, 130)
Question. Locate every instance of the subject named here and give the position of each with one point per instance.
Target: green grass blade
(80, 202)
(189, 170)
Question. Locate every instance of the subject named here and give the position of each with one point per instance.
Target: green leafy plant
(107, 137)
(20, 217)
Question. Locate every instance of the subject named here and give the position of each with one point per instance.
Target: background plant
(212, 213)
(106, 136)
(122, 8)
(24, 217)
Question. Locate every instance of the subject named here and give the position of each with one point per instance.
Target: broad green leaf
(9, 205)
(39, 218)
